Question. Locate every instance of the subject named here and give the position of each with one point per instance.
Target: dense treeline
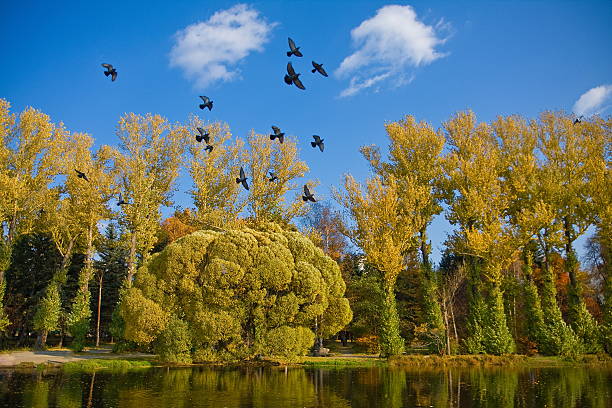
(518, 193)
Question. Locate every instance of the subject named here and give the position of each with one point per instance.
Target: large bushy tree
(234, 294)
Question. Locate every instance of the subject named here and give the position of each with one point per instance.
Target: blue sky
(430, 59)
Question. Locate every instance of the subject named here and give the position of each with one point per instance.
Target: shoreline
(104, 359)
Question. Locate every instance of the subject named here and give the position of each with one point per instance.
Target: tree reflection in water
(299, 387)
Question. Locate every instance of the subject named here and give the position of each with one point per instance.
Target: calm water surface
(302, 387)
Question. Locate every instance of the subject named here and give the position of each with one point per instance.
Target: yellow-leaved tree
(89, 206)
(29, 151)
(272, 200)
(385, 221)
(566, 149)
(415, 160)
(599, 162)
(215, 192)
(530, 218)
(477, 205)
(147, 164)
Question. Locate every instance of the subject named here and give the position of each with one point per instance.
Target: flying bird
(293, 49)
(203, 135)
(578, 120)
(272, 177)
(308, 196)
(242, 179)
(110, 71)
(81, 175)
(208, 148)
(318, 68)
(207, 103)
(277, 134)
(292, 78)
(317, 142)
(121, 201)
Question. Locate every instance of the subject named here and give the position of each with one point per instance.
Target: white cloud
(357, 85)
(590, 102)
(208, 51)
(387, 44)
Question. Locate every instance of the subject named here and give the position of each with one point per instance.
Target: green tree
(34, 260)
(241, 292)
(110, 270)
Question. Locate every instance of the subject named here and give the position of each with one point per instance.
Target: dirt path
(61, 356)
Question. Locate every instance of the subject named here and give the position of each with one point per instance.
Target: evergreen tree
(34, 260)
(110, 272)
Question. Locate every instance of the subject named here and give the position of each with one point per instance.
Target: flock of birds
(291, 78)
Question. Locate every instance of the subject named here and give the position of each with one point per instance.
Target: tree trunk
(61, 342)
(452, 309)
(424, 251)
(569, 253)
(99, 302)
(91, 387)
(131, 261)
(41, 340)
(446, 326)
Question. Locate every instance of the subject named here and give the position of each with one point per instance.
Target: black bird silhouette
(292, 77)
(318, 68)
(209, 148)
(110, 71)
(294, 50)
(203, 136)
(277, 134)
(308, 196)
(578, 120)
(318, 142)
(82, 175)
(121, 201)
(272, 176)
(207, 103)
(242, 179)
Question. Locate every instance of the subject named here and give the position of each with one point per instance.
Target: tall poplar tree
(215, 193)
(272, 200)
(477, 205)
(90, 207)
(415, 159)
(28, 164)
(565, 174)
(384, 227)
(148, 162)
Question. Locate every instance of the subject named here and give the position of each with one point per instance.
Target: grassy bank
(411, 361)
(483, 360)
(105, 364)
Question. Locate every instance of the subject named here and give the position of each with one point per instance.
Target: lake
(273, 387)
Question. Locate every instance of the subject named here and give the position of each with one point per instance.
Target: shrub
(173, 344)
(289, 342)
